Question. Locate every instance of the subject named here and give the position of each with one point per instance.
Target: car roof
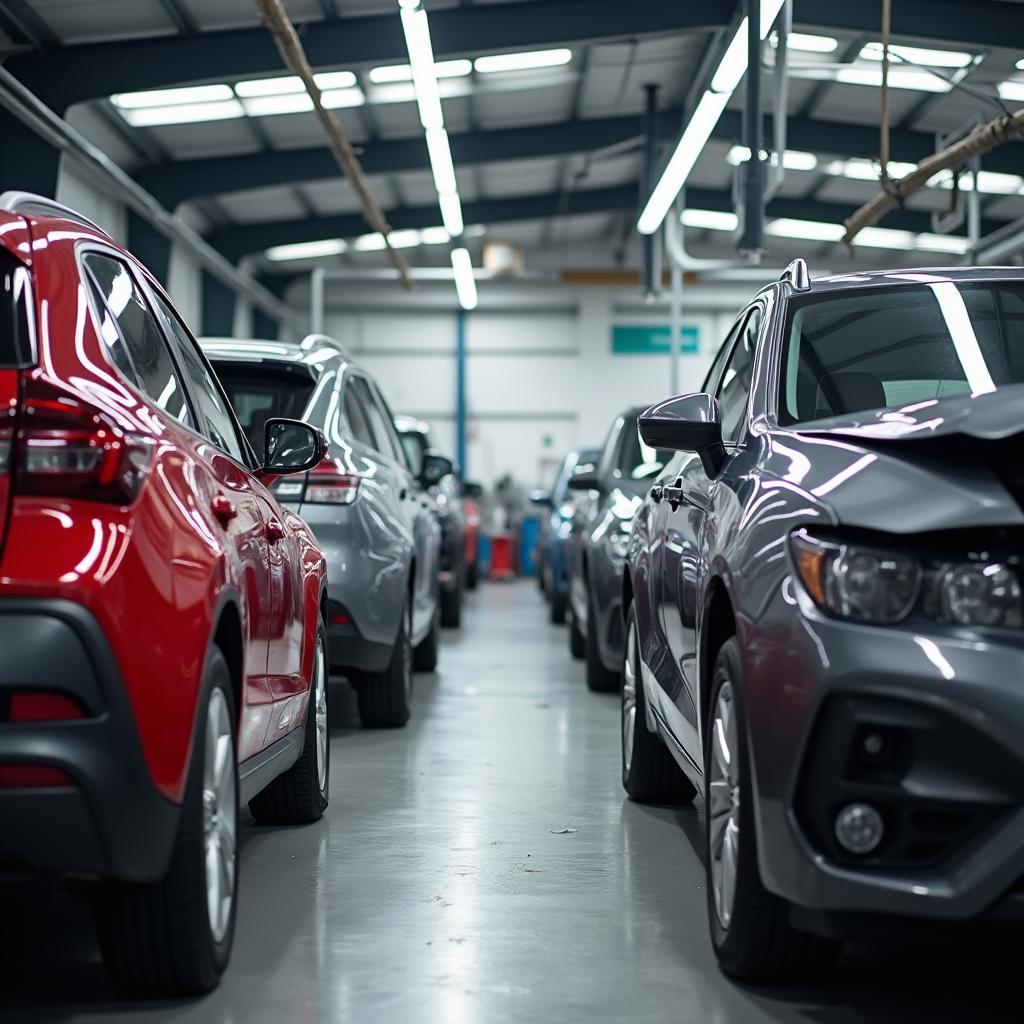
(913, 275)
(314, 351)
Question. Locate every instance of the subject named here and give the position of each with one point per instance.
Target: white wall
(541, 375)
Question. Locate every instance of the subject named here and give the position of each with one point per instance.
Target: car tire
(424, 657)
(650, 773)
(472, 575)
(300, 795)
(451, 604)
(174, 937)
(599, 678)
(559, 603)
(750, 930)
(384, 697)
(577, 643)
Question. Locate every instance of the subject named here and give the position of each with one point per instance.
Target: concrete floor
(482, 865)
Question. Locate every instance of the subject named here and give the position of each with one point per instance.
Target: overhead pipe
(651, 243)
(751, 235)
(780, 100)
(30, 110)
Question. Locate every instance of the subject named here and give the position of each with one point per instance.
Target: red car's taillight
(32, 776)
(67, 448)
(43, 706)
(327, 485)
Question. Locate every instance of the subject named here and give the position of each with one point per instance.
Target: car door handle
(222, 508)
(275, 531)
(656, 492)
(674, 496)
(403, 494)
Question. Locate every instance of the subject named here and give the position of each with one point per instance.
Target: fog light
(859, 828)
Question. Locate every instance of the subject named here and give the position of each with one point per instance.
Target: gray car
(824, 613)
(373, 518)
(608, 492)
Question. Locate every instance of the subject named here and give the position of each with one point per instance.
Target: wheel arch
(228, 637)
(718, 624)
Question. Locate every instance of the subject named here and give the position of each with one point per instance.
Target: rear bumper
(111, 821)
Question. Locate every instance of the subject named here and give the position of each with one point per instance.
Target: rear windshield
(258, 394)
(15, 313)
(889, 347)
(636, 461)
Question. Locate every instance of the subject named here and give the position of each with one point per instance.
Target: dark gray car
(609, 494)
(373, 518)
(825, 622)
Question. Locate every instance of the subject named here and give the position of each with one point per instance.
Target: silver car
(824, 608)
(374, 519)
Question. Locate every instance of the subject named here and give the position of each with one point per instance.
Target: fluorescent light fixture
(404, 239)
(956, 244)
(1020, 64)
(811, 43)
(884, 238)
(465, 283)
(475, 231)
(338, 98)
(712, 220)
(529, 60)
(335, 80)
(1013, 91)
(918, 55)
(270, 86)
(306, 250)
(267, 106)
(190, 113)
(860, 169)
(899, 78)
(421, 58)
(369, 243)
(991, 182)
(441, 161)
(792, 160)
(451, 213)
(435, 236)
(171, 97)
(705, 116)
(403, 72)
(811, 230)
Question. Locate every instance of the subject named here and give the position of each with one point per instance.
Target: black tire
(451, 603)
(383, 697)
(757, 944)
(298, 796)
(472, 575)
(157, 939)
(650, 773)
(577, 643)
(559, 604)
(424, 657)
(599, 678)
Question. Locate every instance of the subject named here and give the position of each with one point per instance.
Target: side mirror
(542, 498)
(435, 468)
(291, 446)
(687, 423)
(585, 478)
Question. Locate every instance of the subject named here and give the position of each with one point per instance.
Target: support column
(218, 308)
(460, 391)
(29, 163)
(152, 247)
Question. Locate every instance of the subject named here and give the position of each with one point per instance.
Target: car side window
(377, 421)
(145, 350)
(733, 392)
(397, 448)
(356, 416)
(217, 424)
(715, 373)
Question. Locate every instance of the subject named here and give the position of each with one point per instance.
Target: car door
(249, 521)
(420, 515)
(683, 514)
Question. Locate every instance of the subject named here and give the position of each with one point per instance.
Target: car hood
(943, 464)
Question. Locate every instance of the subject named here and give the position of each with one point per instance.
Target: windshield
(258, 394)
(636, 461)
(879, 348)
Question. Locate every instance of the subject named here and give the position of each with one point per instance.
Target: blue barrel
(528, 533)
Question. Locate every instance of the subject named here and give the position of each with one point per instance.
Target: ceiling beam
(25, 25)
(89, 70)
(241, 240)
(178, 181)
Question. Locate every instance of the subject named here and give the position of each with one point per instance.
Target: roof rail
(317, 338)
(796, 276)
(29, 203)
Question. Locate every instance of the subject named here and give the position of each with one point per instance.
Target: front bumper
(110, 821)
(950, 787)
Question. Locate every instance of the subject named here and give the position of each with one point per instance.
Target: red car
(161, 615)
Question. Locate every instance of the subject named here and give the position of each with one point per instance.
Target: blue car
(554, 531)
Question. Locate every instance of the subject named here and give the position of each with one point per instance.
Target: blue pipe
(460, 391)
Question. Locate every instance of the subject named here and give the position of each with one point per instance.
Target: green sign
(636, 339)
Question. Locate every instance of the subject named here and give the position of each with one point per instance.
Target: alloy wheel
(629, 685)
(320, 696)
(724, 804)
(220, 815)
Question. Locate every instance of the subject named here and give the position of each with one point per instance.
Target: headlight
(618, 541)
(869, 584)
